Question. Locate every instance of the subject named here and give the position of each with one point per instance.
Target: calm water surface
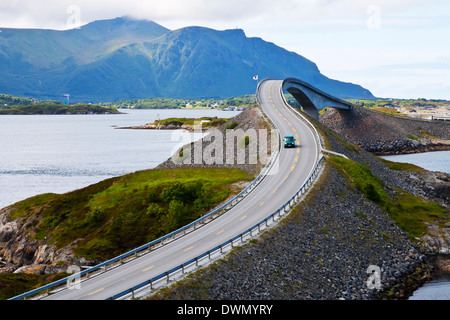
(433, 161)
(62, 153)
(437, 289)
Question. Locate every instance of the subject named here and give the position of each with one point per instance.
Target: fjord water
(432, 161)
(62, 153)
(436, 289)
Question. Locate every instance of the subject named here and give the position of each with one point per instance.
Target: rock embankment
(217, 150)
(383, 134)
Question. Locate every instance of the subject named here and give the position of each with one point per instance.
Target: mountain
(124, 58)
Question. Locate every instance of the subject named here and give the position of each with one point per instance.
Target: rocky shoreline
(382, 134)
(152, 126)
(321, 251)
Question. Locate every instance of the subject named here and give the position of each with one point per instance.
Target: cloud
(338, 35)
(178, 13)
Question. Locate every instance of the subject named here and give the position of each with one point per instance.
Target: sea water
(62, 153)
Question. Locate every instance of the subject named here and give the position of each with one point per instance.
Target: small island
(182, 123)
(59, 109)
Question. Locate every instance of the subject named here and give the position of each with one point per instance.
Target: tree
(175, 215)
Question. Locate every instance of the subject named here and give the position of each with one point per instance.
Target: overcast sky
(394, 48)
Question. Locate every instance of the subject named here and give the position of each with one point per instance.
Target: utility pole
(68, 98)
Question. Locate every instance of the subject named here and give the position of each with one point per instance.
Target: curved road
(295, 166)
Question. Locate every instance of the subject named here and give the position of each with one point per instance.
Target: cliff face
(383, 134)
(18, 248)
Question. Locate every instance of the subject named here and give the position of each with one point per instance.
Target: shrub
(175, 216)
(372, 194)
(154, 210)
(175, 191)
(232, 125)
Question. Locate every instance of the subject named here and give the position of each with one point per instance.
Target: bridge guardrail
(283, 209)
(120, 259)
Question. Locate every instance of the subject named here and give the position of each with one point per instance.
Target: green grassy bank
(119, 214)
(408, 211)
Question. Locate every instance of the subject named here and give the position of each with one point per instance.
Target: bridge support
(312, 99)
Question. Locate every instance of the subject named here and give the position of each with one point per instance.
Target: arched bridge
(312, 99)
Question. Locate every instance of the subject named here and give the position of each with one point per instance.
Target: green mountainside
(123, 59)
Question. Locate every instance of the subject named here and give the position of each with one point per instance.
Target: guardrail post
(167, 275)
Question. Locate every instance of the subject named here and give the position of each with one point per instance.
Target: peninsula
(58, 109)
(189, 124)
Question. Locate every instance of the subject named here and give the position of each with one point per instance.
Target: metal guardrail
(180, 232)
(283, 209)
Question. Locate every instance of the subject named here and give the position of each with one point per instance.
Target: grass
(118, 214)
(400, 166)
(12, 284)
(206, 121)
(232, 126)
(409, 212)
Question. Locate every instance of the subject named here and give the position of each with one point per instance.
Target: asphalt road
(294, 167)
